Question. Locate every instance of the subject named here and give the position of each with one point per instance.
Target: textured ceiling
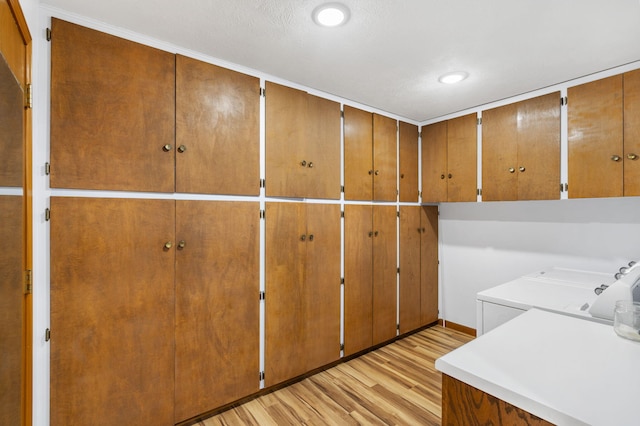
(391, 52)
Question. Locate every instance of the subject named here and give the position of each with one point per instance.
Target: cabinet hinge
(263, 183)
(479, 121)
(262, 214)
(342, 280)
(398, 327)
(479, 191)
(47, 169)
(564, 187)
(342, 214)
(342, 346)
(48, 34)
(342, 113)
(28, 97)
(28, 279)
(262, 295)
(263, 92)
(398, 270)
(47, 214)
(397, 214)
(342, 189)
(564, 100)
(261, 375)
(47, 335)
(419, 193)
(397, 192)
(420, 134)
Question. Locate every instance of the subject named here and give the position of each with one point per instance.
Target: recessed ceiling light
(453, 77)
(331, 14)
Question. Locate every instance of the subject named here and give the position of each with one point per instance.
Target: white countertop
(566, 370)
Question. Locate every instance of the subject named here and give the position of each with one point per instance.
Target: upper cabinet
(302, 144)
(521, 150)
(217, 130)
(408, 142)
(604, 141)
(449, 160)
(370, 157)
(112, 112)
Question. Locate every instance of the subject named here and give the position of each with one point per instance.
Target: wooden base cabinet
(217, 307)
(418, 267)
(112, 311)
(521, 150)
(370, 291)
(449, 160)
(302, 289)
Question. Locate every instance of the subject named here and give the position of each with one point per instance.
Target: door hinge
(419, 194)
(342, 281)
(261, 375)
(263, 214)
(263, 92)
(47, 335)
(479, 191)
(397, 214)
(564, 100)
(342, 189)
(564, 187)
(342, 346)
(342, 214)
(398, 327)
(28, 280)
(263, 183)
(47, 169)
(262, 295)
(28, 102)
(398, 270)
(420, 134)
(342, 113)
(479, 121)
(48, 34)
(47, 214)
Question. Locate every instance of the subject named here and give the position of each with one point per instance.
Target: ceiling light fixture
(331, 14)
(453, 77)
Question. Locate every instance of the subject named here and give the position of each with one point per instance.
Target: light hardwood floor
(394, 385)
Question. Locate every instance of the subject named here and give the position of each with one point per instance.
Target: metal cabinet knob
(615, 157)
(167, 148)
(182, 148)
(310, 237)
(401, 175)
(377, 172)
(310, 164)
(449, 175)
(521, 169)
(441, 176)
(182, 244)
(303, 163)
(632, 156)
(375, 233)
(303, 237)
(370, 233)
(370, 172)
(511, 170)
(168, 245)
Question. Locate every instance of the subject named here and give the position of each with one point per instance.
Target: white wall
(485, 244)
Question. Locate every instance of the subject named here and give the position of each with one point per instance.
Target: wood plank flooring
(394, 385)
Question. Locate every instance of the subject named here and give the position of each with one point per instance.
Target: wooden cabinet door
(385, 158)
(322, 148)
(217, 129)
(285, 251)
(408, 141)
(384, 273)
(500, 153)
(286, 168)
(112, 311)
(358, 154)
(434, 162)
(595, 123)
(632, 133)
(217, 310)
(538, 168)
(409, 296)
(429, 265)
(112, 112)
(322, 285)
(462, 158)
(358, 278)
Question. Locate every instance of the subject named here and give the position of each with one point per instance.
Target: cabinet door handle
(615, 158)
(511, 170)
(441, 176)
(370, 234)
(521, 169)
(168, 245)
(303, 163)
(401, 175)
(182, 244)
(632, 156)
(375, 233)
(310, 237)
(303, 237)
(449, 175)
(370, 172)
(310, 164)
(167, 147)
(182, 148)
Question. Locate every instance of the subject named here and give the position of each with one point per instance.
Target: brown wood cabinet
(370, 156)
(112, 112)
(370, 295)
(631, 153)
(521, 150)
(418, 266)
(408, 143)
(595, 126)
(302, 144)
(302, 289)
(217, 308)
(112, 311)
(449, 160)
(217, 129)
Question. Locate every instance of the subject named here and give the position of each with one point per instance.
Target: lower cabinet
(370, 290)
(418, 266)
(302, 289)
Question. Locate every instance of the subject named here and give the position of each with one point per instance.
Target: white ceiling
(391, 52)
